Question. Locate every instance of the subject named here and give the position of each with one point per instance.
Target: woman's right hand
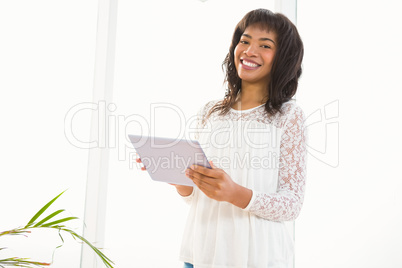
(183, 190)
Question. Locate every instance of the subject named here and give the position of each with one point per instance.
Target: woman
(256, 140)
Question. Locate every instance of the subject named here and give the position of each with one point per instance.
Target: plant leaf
(42, 210)
(49, 217)
(105, 259)
(22, 262)
(58, 221)
(17, 231)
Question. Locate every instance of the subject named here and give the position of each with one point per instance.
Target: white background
(47, 51)
(171, 52)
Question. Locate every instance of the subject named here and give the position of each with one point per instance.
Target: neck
(250, 96)
(253, 94)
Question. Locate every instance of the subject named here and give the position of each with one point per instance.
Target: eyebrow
(261, 39)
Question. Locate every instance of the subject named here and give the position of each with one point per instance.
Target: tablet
(166, 159)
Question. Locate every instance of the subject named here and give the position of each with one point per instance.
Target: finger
(196, 174)
(212, 164)
(143, 168)
(138, 160)
(207, 180)
(205, 187)
(203, 170)
(200, 179)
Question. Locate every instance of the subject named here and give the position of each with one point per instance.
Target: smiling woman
(262, 47)
(237, 212)
(254, 56)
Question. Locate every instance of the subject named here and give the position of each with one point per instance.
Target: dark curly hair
(286, 66)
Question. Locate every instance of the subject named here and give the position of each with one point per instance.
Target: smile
(249, 65)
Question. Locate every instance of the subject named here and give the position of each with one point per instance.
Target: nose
(250, 51)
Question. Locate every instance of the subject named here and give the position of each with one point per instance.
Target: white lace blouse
(266, 154)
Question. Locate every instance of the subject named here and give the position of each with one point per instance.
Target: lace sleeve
(286, 203)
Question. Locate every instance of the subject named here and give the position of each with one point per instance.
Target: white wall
(47, 53)
(352, 215)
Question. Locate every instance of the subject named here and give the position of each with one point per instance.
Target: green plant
(47, 222)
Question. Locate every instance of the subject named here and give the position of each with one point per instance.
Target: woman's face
(254, 55)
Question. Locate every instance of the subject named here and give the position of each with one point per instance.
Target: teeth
(250, 64)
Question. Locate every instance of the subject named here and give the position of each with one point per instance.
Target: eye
(265, 46)
(243, 42)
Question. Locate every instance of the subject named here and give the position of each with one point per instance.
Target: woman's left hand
(214, 183)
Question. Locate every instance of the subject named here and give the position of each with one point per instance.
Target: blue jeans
(188, 265)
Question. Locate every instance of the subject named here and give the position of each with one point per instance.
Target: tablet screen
(166, 159)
